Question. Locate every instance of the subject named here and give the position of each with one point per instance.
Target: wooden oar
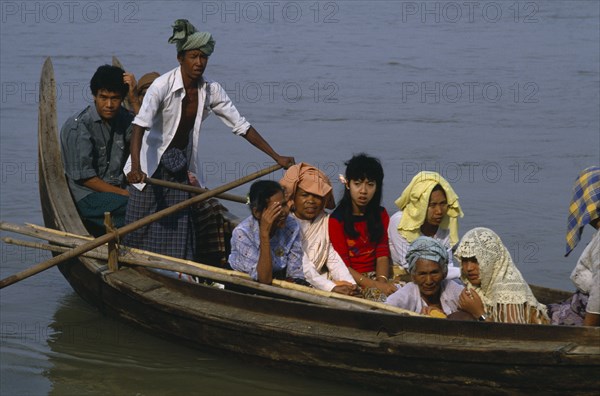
(160, 261)
(222, 276)
(132, 227)
(192, 189)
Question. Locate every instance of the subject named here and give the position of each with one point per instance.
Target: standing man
(94, 146)
(165, 142)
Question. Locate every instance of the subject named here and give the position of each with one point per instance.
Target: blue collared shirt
(286, 248)
(91, 147)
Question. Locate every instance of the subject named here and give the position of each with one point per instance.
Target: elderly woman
(309, 192)
(267, 244)
(428, 207)
(429, 293)
(583, 308)
(495, 289)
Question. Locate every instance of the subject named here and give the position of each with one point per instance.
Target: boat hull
(370, 348)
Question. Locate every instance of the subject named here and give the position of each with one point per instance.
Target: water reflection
(95, 355)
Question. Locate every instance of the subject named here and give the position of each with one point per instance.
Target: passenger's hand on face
(386, 287)
(270, 216)
(470, 302)
(346, 288)
(136, 176)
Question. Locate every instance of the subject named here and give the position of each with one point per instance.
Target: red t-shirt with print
(359, 253)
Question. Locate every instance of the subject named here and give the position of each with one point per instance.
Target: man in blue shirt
(95, 146)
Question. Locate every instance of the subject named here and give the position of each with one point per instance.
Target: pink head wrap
(310, 179)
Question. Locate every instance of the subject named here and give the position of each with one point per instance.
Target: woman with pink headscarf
(309, 192)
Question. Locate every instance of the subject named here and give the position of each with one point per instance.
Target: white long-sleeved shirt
(161, 112)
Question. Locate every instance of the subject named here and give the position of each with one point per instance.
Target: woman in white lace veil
(495, 289)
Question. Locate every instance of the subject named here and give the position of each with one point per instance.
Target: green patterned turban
(186, 37)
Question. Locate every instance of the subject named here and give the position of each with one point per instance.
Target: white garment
(409, 297)
(586, 276)
(161, 112)
(399, 245)
(320, 262)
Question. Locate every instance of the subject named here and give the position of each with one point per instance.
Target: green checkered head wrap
(187, 37)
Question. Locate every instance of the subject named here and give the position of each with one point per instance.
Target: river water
(501, 97)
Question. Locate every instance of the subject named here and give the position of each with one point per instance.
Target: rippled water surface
(500, 97)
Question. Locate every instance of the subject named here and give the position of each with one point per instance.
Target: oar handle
(192, 189)
(132, 227)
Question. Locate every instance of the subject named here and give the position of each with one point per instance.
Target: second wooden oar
(132, 227)
(155, 260)
(192, 189)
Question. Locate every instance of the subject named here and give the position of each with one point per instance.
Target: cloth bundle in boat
(213, 233)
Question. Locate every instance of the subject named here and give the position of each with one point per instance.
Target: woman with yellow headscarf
(428, 207)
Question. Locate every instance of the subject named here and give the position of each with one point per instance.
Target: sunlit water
(502, 98)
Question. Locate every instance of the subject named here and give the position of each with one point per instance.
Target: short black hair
(109, 78)
(261, 191)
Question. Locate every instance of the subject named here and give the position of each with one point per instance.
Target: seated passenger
(267, 244)
(357, 227)
(429, 293)
(145, 81)
(429, 207)
(310, 192)
(495, 289)
(95, 146)
(583, 308)
(141, 87)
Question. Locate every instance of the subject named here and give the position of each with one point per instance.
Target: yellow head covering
(414, 202)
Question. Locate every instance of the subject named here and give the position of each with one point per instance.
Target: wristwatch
(482, 318)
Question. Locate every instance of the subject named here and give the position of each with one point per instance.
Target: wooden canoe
(369, 347)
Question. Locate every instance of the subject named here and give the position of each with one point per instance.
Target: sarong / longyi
(172, 235)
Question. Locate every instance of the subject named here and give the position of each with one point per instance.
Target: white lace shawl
(502, 285)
